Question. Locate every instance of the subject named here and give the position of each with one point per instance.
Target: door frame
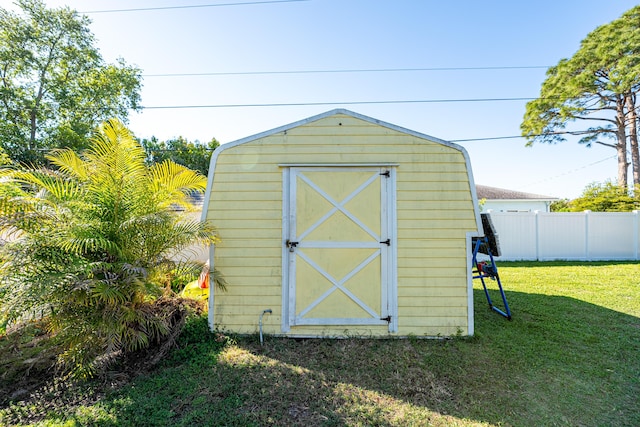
(391, 226)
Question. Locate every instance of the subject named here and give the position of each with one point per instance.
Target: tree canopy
(597, 86)
(55, 87)
(604, 197)
(194, 155)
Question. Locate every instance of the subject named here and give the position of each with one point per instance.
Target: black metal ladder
(488, 245)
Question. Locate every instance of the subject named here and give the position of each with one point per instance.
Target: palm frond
(171, 183)
(84, 245)
(118, 171)
(26, 214)
(52, 183)
(173, 176)
(69, 163)
(155, 236)
(115, 148)
(218, 279)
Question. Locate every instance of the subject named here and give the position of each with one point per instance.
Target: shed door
(339, 246)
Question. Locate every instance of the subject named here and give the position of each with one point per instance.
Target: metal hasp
(488, 245)
(291, 245)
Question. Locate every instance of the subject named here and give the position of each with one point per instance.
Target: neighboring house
(502, 200)
(342, 225)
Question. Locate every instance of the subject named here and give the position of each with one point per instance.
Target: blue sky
(329, 35)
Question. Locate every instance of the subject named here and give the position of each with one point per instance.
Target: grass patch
(568, 357)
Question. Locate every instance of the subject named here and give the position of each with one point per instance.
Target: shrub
(91, 242)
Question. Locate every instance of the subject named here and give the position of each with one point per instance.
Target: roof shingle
(494, 193)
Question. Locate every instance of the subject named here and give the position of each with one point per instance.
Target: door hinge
(386, 173)
(291, 245)
(387, 319)
(387, 242)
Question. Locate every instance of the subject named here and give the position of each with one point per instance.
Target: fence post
(636, 232)
(587, 251)
(536, 215)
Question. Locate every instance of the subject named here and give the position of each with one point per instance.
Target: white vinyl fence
(581, 236)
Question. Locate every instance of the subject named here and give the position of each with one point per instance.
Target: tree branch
(33, 114)
(606, 144)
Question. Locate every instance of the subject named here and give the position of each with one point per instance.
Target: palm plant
(90, 243)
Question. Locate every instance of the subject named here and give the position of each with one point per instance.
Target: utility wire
(300, 104)
(569, 172)
(167, 107)
(355, 70)
(143, 9)
(491, 138)
(501, 137)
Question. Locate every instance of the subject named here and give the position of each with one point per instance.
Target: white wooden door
(339, 246)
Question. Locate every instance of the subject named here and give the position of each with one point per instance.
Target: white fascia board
(474, 195)
(207, 192)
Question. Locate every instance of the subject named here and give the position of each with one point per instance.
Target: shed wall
(434, 214)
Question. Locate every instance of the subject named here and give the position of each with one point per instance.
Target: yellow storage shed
(342, 225)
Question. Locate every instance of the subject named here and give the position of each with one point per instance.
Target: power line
(355, 70)
(490, 138)
(570, 171)
(514, 136)
(501, 137)
(143, 9)
(300, 104)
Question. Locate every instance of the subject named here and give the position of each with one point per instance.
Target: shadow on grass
(560, 361)
(562, 263)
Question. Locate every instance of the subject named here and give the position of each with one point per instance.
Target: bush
(92, 244)
(606, 197)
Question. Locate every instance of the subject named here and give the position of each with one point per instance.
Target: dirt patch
(31, 383)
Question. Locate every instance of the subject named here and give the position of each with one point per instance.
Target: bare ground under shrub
(30, 376)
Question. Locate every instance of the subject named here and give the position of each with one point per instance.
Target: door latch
(387, 319)
(387, 242)
(291, 245)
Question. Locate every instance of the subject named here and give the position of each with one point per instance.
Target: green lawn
(570, 356)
